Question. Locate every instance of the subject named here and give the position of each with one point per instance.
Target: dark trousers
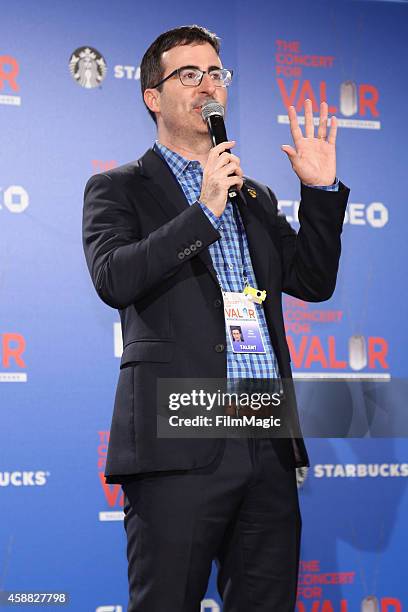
(241, 511)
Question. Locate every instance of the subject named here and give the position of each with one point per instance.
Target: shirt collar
(178, 163)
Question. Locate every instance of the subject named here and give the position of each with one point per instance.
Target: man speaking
(167, 244)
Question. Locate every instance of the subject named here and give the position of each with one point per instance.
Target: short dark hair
(151, 70)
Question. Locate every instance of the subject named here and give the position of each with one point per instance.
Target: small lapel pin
(252, 192)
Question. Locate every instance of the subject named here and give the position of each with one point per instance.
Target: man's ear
(152, 99)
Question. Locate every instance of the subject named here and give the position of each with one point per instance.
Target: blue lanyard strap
(241, 230)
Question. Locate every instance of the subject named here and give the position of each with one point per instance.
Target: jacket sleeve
(124, 265)
(310, 257)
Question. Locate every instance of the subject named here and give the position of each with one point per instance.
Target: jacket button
(199, 243)
(193, 247)
(219, 348)
(217, 303)
(187, 251)
(180, 255)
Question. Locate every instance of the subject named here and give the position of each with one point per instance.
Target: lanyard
(240, 231)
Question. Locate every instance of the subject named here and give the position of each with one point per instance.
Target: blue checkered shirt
(226, 258)
(227, 262)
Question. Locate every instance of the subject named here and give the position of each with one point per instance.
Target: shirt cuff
(334, 187)
(214, 220)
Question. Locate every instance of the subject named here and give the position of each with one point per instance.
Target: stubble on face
(179, 121)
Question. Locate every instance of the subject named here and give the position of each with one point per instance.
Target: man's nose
(207, 84)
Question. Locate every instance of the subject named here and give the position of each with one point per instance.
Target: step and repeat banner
(70, 106)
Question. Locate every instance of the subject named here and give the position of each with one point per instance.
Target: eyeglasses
(190, 76)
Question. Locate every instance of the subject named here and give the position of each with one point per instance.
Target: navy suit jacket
(147, 253)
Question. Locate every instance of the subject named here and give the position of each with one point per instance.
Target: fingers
(294, 126)
(322, 130)
(229, 169)
(216, 151)
(226, 158)
(309, 125)
(290, 151)
(224, 166)
(333, 131)
(234, 181)
(228, 144)
(237, 171)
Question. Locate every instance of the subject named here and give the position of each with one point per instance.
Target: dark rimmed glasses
(190, 76)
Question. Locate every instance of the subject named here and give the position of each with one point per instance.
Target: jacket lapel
(162, 184)
(166, 190)
(264, 256)
(257, 236)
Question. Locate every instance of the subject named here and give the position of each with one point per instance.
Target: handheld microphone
(213, 114)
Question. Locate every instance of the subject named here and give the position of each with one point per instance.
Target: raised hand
(313, 159)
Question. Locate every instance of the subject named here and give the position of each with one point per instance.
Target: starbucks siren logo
(301, 475)
(87, 67)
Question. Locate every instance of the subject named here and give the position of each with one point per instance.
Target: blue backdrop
(61, 526)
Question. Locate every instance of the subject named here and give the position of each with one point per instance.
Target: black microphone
(213, 114)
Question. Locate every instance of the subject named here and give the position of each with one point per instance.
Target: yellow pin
(252, 192)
